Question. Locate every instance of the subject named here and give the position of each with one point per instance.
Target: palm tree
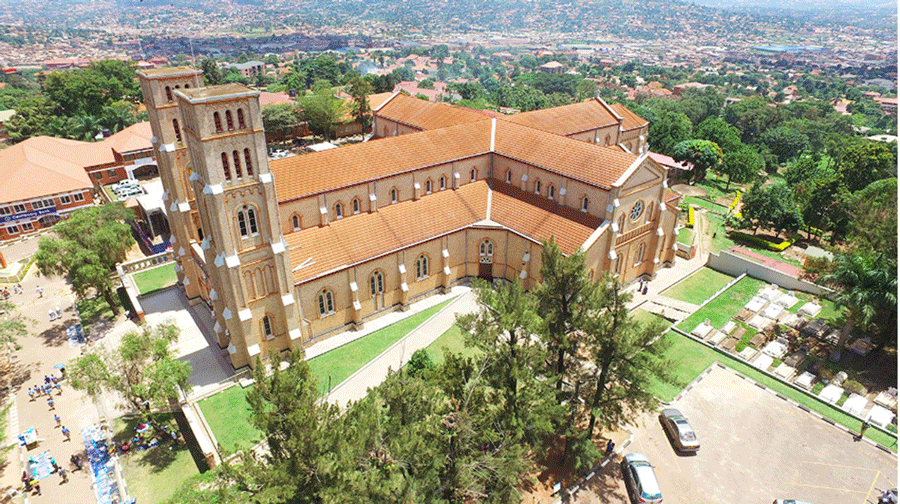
(866, 285)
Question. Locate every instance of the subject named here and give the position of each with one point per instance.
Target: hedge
(690, 221)
(777, 247)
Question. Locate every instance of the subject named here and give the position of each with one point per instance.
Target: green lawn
(831, 312)
(93, 309)
(693, 357)
(745, 339)
(709, 205)
(726, 305)
(721, 241)
(154, 475)
(715, 187)
(453, 340)
(686, 236)
(151, 280)
(229, 417)
(699, 286)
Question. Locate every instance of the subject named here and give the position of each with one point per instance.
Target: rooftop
(214, 93)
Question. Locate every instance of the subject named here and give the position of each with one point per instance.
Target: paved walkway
(372, 374)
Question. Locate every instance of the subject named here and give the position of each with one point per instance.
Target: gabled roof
(630, 120)
(595, 164)
(425, 115)
(45, 165)
(567, 119)
(315, 172)
(321, 250)
(133, 138)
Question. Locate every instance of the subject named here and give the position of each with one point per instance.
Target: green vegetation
(686, 236)
(704, 203)
(92, 310)
(755, 240)
(723, 307)
(694, 357)
(228, 413)
(154, 475)
(699, 286)
(155, 279)
(452, 341)
(745, 339)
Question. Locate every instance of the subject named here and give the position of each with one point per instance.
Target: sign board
(27, 215)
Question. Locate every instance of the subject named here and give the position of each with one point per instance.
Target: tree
(359, 91)
(874, 217)
(143, 369)
(773, 206)
(212, 75)
(322, 110)
(89, 245)
(703, 154)
(33, 116)
(86, 91)
(118, 116)
(786, 143)
(671, 128)
(723, 134)
(866, 161)
(865, 282)
(11, 327)
(280, 118)
(741, 166)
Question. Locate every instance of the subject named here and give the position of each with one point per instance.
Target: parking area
(755, 447)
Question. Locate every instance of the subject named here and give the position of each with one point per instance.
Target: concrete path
(372, 374)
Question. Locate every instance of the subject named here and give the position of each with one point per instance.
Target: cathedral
(290, 251)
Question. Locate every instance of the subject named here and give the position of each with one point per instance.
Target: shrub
(855, 387)
(690, 221)
(420, 363)
(777, 247)
(826, 373)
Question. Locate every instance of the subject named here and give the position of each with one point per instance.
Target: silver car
(679, 430)
(640, 479)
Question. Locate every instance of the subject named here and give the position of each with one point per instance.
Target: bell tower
(252, 288)
(159, 87)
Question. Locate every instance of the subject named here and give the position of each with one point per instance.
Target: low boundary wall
(735, 265)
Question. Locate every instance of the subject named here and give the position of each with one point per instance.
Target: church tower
(159, 87)
(246, 259)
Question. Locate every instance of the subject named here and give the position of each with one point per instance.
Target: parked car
(640, 479)
(679, 430)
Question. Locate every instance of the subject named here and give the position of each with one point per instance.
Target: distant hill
(822, 6)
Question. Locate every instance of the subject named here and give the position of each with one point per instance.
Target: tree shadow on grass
(159, 458)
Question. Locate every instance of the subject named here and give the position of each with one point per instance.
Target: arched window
(217, 121)
(422, 267)
(537, 187)
(326, 303)
(443, 183)
(295, 220)
(622, 223)
(596, 137)
(251, 219)
(267, 328)
(393, 196)
(229, 120)
(187, 86)
(486, 248)
(618, 264)
(242, 224)
(247, 222)
(376, 283)
(168, 94)
(584, 204)
(551, 191)
(225, 166)
(608, 138)
(473, 176)
(639, 257)
(241, 123)
(237, 164)
(177, 130)
(248, 162)
(428, 186)
(355, 204)
(338, 211)
(509, 176)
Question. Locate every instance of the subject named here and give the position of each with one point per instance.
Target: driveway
(755, 448)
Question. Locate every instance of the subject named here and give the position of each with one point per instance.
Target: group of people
(51, 383)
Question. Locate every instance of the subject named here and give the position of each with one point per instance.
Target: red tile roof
(567, 119)
(266, 98)
(425, 115)
(630, 120)
(133, 138)
(41, 166)
(363, 237)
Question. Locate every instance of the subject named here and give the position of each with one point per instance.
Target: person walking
(31, 395)
(65, 432)
(54, 464)
(76, 461)
(36, 485)
(58, 388)
(50, 403)
(40, 291)
(610, 446)
(58, 420)
(64, 475)
(862, 430)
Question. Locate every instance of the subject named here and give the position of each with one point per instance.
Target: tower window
(393, 196)
(168, 94)
(177, 130)
(217, 122)
(618, 265)
(428, 186)
(639, 257)
(267, 328)
(229, 120)
(237, 163)
(326, 303)
(295, 220)
(225, 167)
(338, 211)
(248, 162)
(443, 182)
(355, 204)
(247, 223)
(241, 123)
(422, 267)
